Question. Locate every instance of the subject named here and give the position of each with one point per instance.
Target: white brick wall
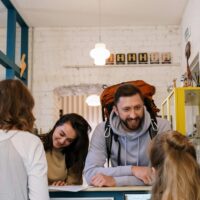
(3, 40)
(59, 53)
(3, 43)
(51, 50)
(3, 49)
(2, 72)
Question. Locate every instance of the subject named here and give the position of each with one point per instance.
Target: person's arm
(96, 159)
(145, 174)
(140, 175)
(37, 172)
(101, 180)
(127, 181)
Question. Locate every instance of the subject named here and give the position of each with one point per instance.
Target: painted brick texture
(61, 57)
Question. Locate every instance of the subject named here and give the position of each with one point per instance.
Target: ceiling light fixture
(93, 100)
(99, 53)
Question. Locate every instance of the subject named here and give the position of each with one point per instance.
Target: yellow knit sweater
(57, 170)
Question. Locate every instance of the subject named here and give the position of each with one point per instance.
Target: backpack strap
(116, 138)
(153, 128)
(108, 134)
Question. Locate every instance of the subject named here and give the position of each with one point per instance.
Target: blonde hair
(177, 171)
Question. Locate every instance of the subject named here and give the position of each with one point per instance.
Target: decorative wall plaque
(140, 58)
(120, 58)
(166, 58)
(143, 58)
(110, 60)
(154, 58)
(131, 58)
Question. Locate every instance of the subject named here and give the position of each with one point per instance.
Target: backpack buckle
(154, 125)
(107, 132)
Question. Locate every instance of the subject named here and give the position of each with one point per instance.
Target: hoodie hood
(6, 135)
(118, 129)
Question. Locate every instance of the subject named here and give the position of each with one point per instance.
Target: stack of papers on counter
(69, 188)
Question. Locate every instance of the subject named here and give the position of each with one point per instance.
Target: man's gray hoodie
(134, 146)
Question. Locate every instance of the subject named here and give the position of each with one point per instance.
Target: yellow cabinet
(182, 109)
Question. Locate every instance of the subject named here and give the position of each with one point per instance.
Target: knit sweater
(57, 170)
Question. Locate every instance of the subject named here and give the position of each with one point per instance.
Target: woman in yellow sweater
(66, 147)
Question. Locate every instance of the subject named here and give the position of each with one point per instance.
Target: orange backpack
(107, 97)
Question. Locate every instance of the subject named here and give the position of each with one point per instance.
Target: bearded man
(131, 122)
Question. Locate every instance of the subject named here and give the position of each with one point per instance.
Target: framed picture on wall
(131, 58)
(142, 58)
(154, 58)
(110, 60)
(120, 58)
(166, 58)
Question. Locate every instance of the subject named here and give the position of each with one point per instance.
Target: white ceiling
(84, 13)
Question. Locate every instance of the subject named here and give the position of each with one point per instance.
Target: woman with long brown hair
(177, 173)
(23, 167)
(66, 147)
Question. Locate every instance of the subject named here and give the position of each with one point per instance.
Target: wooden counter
(105, 193)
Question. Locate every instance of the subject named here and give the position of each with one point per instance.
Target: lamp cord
(100, 21)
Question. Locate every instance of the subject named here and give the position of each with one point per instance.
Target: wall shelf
(125, 66)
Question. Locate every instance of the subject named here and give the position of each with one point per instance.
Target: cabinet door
(137, 196)
(192, 108)
(82, 198)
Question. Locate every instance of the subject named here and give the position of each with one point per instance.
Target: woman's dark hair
(16, 104)
(76, 152)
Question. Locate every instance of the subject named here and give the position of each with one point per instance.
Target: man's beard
(132, 124)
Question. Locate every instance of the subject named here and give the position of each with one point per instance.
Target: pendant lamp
(93, 100)
(100, 53)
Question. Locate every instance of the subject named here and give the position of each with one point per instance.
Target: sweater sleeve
(127, 181)
(37, 172)
(96, 160)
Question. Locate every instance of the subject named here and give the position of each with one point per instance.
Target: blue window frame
(8, 60)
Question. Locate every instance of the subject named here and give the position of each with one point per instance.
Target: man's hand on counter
(100, 180)
(146, 174)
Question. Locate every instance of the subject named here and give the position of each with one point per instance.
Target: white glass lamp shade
(93, 100)
(99, 61)
(99, 54)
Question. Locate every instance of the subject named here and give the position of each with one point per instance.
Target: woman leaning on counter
(66, 147)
